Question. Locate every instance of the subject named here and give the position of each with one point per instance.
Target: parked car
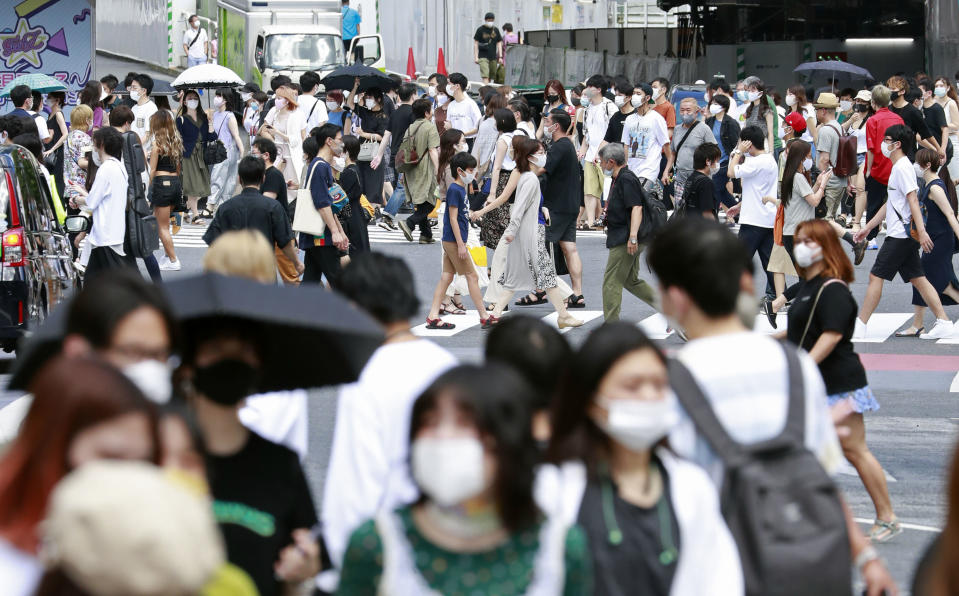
(36, 260)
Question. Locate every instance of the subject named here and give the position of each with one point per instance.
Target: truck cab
(294, 49)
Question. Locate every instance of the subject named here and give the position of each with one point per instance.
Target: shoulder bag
(306, 217)
(214, 151)
(812, 311)
(368, 151)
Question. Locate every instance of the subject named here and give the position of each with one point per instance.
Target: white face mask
(370, 103)
(919, 170)
(280, 103)
(886, 149)
(462, 147)
(845, 106)
(135, 95)
(195, 24)
(538, 160)
(940, 91)
(441, 100)
(468, 177)
(807, 164)
(790, 100)
(431, 91)
(584, 101)
(217, 102)
(448, 471)
(658, 91)
(639, 424)
(715, 109)
(753, 95)
(153, 379)
(332, 105)
(245, 97)
(450, 89)
(339, 164)
(619, 100)
(714, 169)
(807, 255)
(95, 155)
(637, 100)
(192, 103)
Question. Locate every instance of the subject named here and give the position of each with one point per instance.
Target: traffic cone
(411, 66)
(441, 64)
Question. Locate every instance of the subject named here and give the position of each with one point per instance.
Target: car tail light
(12, 249)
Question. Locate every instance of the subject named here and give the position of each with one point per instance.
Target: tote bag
(307, 218)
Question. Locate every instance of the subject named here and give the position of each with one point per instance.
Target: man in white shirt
(595, 123)
(900, 253)
(140, 90)
(760, 176)
(462, 113)
(702, 273)
(38, 119)
(107, 201)
(645, 136)
(196, 45)
(369, 470)
(313, 110)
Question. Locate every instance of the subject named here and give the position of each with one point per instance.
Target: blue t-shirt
(320, 185)
(351, 22)
(456, 197)
(717, 127)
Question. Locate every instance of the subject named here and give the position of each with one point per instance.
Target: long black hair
(575, 435)
(798, 151)
(497, 400)
(929, 157)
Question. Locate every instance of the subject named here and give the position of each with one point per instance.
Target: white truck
(259, 40)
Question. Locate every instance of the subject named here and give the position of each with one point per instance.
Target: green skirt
(196, 175)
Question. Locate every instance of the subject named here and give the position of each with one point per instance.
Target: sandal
(492, 306)
(457, 303)
(439, 324)
(526, 301)
(575, 301)
(451, 309)
(490, 321)
(884, 531)
(908, 333)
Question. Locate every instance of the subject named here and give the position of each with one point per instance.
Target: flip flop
(907, 333)
(439, 324)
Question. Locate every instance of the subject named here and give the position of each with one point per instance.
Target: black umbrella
(312, 337)
(370, 78)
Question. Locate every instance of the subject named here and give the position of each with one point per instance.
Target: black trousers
(319, 261)
(104, 258)
(759, 240)
(876, 193)
(420, 218)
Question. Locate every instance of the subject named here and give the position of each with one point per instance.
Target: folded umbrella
(312, 337)
(37, 82)
(370, 78)
(207, 76)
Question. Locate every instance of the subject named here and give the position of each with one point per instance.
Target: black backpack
(781, 507)
(142, 233)
(654, 217)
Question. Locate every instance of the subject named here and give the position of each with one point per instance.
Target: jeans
(876, 193)
(759, 240)
(622, 272)
(396, 199)
(420, 218)
(191, 61)
(153, 268)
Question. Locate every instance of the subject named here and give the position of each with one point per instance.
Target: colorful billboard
(53, 37)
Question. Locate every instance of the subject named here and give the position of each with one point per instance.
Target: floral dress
(77, 143)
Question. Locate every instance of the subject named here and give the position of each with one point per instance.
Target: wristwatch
(633, 241)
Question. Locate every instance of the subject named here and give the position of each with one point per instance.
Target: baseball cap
(826, 100)
(864, 95)
(796, 122)
(250, 88)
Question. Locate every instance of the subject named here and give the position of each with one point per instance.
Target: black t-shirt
(619, 569)
(841, 370)
(250, 210)
(260, 496)
(487, 37)
(699, 195)
(935, 118)
(625, 193)
(914, 120)
(562, 186)
(614, 132)
(372, 122)
(352, 183)
(274, 182)
(399, 121)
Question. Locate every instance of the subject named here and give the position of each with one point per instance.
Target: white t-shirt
(902, 181)
(369, 467)
(750, 396)
(464, 116)
(21, 572)
(759, 176)
(304, 105)
(644, 138)
(42, 129)
(141, 119)
(197, 49)
(595, 123)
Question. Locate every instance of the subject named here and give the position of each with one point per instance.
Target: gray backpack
(781, 507)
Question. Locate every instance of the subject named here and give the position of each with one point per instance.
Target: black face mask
(894, 96)
(860, 108)
(226, 382)
(552, 98)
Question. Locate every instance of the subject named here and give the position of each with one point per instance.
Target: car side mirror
(77, 224)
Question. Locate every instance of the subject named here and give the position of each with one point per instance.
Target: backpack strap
(698, 408)
(795, 429)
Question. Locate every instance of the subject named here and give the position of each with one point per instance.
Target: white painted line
(462, 322)
(862, 520)
(882, 325)
(954, 387)
(847, 469)
(655, 326)
(763, 326)
(583, 315)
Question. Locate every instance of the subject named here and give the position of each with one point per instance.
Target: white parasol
(207, 76)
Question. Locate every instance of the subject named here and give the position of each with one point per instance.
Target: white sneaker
(168, 265)
(162, 260)
(860, 331)
(941, 330)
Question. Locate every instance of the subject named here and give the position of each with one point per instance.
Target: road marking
(921, 528)
(584, 315)
(655, 326)
(881, 326)
(954, 387)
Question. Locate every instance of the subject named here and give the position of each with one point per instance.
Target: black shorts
(166, 191)
(562, 227)
(898, 255)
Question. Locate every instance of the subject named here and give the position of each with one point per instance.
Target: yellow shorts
(593, 179)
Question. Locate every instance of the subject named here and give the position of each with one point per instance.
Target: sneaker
(387, 216)
(406, 230)
(872, 245)
(859, 250)
(388, 225)
(80, 267)
(860, 331)
(168, 265)
(941, 330)
(429, 240)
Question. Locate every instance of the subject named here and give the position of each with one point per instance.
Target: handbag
(812, 311)
(368, 151)
(307, 218)
(214, 152)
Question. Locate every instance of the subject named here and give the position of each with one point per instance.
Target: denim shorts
(166, 190)
(862, 400)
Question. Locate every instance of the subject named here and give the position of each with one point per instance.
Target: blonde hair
(81, 117)
(242, 253)
(166, 138)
